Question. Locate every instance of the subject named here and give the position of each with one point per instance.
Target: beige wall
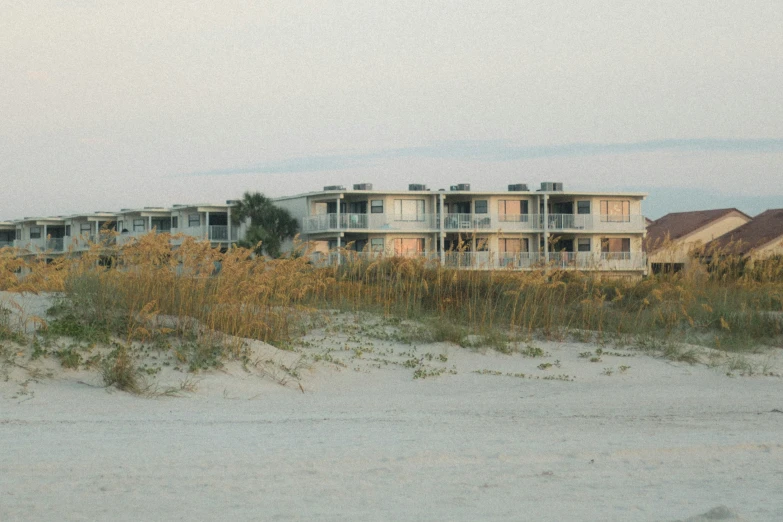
(680, 249)
(773, 248)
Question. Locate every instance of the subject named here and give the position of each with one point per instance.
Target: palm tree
(269, 225)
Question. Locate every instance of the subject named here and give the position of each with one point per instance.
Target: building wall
(679, 251)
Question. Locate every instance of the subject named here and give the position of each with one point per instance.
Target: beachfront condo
(517, 228)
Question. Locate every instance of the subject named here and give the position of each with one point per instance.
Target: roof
(565, 193)
(761, 230)
(677, 225)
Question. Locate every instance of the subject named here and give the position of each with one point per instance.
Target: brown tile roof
(764, 228)
(680, 224)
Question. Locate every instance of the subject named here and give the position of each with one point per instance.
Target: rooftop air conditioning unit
(550, 186)
(334, 187)
(461, 186)
(417, 186)
(362, 186)
(518, 187)
(232, 202)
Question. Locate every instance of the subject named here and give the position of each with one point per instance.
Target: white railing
(587, 261)
(515, 222)
(472, 222)
(467, 222)
(328, 222)
(4, 244)
(596, 222)
(40, 244)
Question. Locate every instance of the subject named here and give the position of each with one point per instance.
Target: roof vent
(417, 186)
(518, 187)
(125, 210)
(232, 202)
(154, 208)
(334, 187)
(551, 186)
(362, 186)
(461, 186)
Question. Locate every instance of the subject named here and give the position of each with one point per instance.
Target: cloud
(493, 151)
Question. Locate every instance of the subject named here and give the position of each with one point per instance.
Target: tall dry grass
(237, 293)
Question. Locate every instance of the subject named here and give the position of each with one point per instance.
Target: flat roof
(461, 193)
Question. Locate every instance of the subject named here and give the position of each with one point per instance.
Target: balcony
(215, 233)
(586, 261)
(596, 223)
(467, 222)
(40, 245)
(348, 222)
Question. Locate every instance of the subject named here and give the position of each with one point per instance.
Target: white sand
(659, 441)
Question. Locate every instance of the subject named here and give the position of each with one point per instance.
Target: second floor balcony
(347, 221)
(475, 222)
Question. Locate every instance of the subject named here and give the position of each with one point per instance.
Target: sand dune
(347, 433)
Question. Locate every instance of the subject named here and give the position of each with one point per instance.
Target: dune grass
(148, 288)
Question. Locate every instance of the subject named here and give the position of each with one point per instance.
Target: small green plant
(544, 366)
(118, 371)
(624, 368)
(533, 351)
(607, 372)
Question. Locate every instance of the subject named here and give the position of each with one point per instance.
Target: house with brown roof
(760, 238)
(672, 239)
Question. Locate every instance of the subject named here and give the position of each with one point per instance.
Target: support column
(441, 231)
(228, 219)
(149, 223)
(546, 228)
(45, 237)
(339, 228)
(207, 235)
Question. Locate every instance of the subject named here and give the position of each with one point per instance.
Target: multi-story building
(207, 222)
(673, 239)
(7, 234)
(83, 230)
(40, 234)
(517, 228)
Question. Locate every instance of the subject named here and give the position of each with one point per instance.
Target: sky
(108, 105)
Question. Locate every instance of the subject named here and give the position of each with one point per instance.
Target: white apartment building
(515, 228)
(208, 222)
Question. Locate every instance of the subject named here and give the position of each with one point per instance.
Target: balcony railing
(587, 261)
(329, 222)
(40, 244)
(596, 222)
(475, 222)
(4, 244)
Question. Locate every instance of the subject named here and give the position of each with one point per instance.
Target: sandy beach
(351, 427)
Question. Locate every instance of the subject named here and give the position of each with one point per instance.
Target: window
(376, 206)
(480, 206)
(18, 234)
(408, 246)
(175, 222)
(409, 209)
(616, 244)
(35, 232)
(583, 207)
(68, 230)
(583, 244)
(376, 244)
(512, 210)
(514, 246)
(138, 225)
(615, 211)
(194, 220)
(84, 228)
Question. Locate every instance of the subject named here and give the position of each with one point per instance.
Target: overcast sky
(108, 105)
